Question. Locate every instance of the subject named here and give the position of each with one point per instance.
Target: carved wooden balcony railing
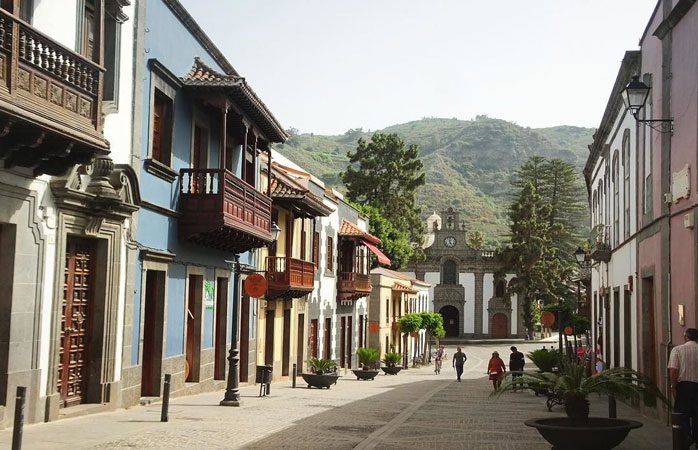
(353, 285)
(221, 211)
(50, 101)
(289, 277)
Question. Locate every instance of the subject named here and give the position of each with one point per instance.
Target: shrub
(321, 365)
(367, 356)
(392, 358)
(545, 360)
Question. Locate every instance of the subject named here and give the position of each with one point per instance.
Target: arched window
(626, 183)
(449, 272)
(500, 289)
(616, 200)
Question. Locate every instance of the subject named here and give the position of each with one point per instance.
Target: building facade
(464, 287)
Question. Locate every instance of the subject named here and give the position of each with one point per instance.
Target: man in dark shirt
(458, 362)
(516, 360)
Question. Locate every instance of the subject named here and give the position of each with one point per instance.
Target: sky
(325, 66)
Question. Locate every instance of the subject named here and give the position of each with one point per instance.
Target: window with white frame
(626, 183)
(647, 151)
(616, 199)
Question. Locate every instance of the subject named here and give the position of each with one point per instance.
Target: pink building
(663, 281)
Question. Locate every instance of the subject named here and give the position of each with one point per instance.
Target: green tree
(531, 255)
(385, 173)
(394, 243)
(475, 239)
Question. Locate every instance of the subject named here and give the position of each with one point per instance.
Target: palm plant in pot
(323, 374)
(367, 358)
(391, 359)
(579, 431)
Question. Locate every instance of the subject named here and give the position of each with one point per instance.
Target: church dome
(430, 222)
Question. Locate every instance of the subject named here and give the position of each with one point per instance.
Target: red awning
(376, 251)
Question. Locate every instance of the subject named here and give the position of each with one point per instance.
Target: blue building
(204, 200)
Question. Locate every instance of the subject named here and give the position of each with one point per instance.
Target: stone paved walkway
(414, 410)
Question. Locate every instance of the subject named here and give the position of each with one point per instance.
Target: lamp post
(232, 390)
(635, 96)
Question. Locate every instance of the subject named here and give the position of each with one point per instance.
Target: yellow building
(289, 267)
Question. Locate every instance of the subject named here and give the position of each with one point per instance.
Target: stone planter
(391, 370)
(596, 433)
(320, 381)
(365, 374)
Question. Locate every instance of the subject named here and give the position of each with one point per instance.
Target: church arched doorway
(499, 326)
(451, 320)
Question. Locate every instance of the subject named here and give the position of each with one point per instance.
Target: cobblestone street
(415, 409)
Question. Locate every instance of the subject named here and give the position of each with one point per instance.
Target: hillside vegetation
(468, 162)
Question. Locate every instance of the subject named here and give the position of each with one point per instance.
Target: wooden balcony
(219, 210)
(289, 277)
(353, 285)
(50, 101)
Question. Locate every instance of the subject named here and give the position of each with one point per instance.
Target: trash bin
(263, 377)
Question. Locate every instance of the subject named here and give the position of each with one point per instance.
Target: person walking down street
(588, 355)
(516, 361)
(683, 374)
(440, 355)
(459, 359)
(495, 369)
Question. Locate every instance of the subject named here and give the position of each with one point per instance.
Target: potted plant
(579, 431)
(391, 359)
(323, 373)
(367, 358)
(545, 360)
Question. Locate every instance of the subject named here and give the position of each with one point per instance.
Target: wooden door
(193, 343)
(627, 332)
(313, 338)
(349, 342)
(616, 328)
(286, 346)
(221, 328)
(152, 333)
(301, 340)
(342, 337)
(245, 339)
(76, 314)
(650, 329)
(361, 331)
(499, 326)
(327, 335)
(269, 337)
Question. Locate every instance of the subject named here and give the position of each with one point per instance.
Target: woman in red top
(495, 369)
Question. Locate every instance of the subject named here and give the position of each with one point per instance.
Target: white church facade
(465, 288)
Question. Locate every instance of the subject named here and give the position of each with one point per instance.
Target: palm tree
(574, 386)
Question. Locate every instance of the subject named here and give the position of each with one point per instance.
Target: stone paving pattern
(413, 410)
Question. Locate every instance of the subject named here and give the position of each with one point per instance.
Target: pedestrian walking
(588, 354)
(459, 359)
(516, 361)
(683, 374)
(440, 355)
(495, 369)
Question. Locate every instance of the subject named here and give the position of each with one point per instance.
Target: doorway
(328, 327)
(342, 335)
(78, 297)
(499, 326)
(301, 340)
(245, 339)
(269, 337)
(648, 329)
(451, 320)
(193, 349)
(153, 321)
(220, 336)
(627, 331)
(349, 342)
(286, 346)
(313, 338)
(616, 328)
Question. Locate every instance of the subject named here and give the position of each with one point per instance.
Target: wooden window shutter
(316, 248)
(330, 256)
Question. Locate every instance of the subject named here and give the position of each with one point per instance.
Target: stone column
(479, 301)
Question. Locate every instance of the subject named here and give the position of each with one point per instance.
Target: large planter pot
(594, 433)
(320, 381)
(391, 370)
(365, 374)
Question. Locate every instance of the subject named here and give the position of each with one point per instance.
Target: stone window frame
(165, 82)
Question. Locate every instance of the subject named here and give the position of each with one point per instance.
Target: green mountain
(468, 162)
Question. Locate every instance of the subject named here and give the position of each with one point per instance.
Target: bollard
(677, 434)
(165, 398)
(295, 372)
(612, 407)
(19, 418)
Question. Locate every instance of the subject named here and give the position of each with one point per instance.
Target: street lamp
(635, 96)
(580, 255)
(232, 391)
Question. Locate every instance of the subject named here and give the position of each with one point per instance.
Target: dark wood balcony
(601, 252)
(289, 277)
(353, 285)
(50, 101)
(219, 210)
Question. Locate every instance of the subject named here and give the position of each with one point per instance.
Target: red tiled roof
(350, 229)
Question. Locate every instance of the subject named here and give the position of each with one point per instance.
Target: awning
(376, 251)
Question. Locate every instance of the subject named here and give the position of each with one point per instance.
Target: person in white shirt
(683, 374)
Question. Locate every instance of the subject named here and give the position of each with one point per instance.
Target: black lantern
(580, 255)
(275, 230)
(635, 95)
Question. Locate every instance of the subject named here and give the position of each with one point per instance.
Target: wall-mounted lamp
(635, 96)
(275, 230)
